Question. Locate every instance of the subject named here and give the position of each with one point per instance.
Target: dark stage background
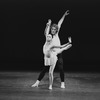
(22, 33)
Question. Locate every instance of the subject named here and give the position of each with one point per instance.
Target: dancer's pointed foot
(36, 84)
(69, 39)
(50, 87)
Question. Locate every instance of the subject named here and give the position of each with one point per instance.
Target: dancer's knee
(50, 74)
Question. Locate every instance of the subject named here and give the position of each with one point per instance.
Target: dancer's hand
(69, 39)
(49, 20)
(67, 12)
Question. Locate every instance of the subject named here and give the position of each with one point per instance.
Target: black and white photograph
(49, 50)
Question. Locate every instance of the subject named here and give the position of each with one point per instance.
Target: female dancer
(45, 68)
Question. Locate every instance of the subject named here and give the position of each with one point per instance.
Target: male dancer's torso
(56, 40)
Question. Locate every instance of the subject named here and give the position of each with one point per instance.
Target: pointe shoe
(63, 85)
(36, 84)
(50, 87)
(70, 40)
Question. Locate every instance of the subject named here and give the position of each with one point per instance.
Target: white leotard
(50, 56)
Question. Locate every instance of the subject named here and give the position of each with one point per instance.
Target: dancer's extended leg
(63, 48)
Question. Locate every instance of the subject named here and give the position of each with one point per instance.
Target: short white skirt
(50, 61)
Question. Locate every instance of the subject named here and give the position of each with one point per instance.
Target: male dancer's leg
(43, 73)
(40, 77)
(60, 65)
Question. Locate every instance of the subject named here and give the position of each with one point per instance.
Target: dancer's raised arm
(47, 29)
(62, 19)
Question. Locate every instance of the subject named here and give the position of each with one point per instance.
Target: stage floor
(79, 86)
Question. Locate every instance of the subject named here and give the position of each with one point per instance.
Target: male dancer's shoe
(62, 85)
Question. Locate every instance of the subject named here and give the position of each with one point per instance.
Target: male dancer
(56, 42)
